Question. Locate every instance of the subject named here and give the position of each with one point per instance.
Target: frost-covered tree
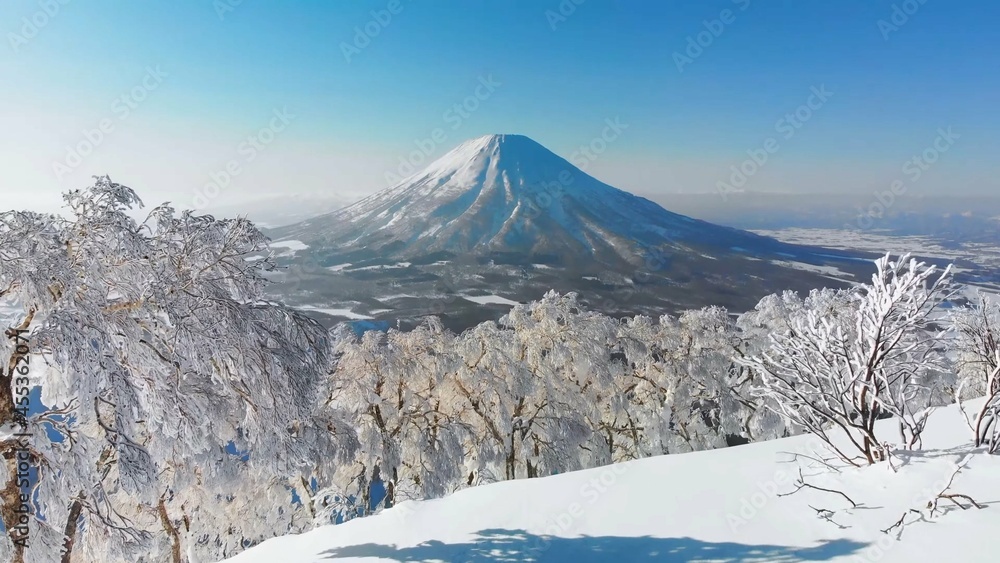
(523, 386)
(633, 424)
(772, 316)
(977, 330)
(684, 389)
(153, 352)
(706, 403)
(392, 387)
(677, 387)
(569, 376)
(437, 412)
(830, 372)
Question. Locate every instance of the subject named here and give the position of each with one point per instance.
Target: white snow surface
(720, 506)
(335, 312)
(292, 245)
(383, 267)
(490, 300)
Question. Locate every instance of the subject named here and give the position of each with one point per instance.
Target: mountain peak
(496, 153)
(499, 138)
(496, 144)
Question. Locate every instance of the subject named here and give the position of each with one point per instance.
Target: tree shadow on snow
(518, 545)
(909, 457)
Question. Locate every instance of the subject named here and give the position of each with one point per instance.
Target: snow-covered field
(722, 505)
(293, 245)
(336, 312)
(829, 271)
(489, 300)
(985, 255)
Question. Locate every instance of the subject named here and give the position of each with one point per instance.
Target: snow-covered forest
(156, 408)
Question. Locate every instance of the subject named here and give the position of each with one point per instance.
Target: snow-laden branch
(842, 374)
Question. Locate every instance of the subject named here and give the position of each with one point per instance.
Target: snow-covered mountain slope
(722, 505)
(509, 194)
(502, 215)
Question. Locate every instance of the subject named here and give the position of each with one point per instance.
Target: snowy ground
(489, 300)
(983, 254)
(293, 245)
(336, 312)
(719, 505)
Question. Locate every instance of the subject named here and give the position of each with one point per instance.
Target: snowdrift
(721, 506)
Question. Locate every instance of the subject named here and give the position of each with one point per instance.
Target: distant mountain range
(503, 216)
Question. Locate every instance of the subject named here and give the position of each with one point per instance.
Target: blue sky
(221, 69)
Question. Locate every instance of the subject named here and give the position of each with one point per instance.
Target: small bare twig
(888, 457)
(944, 495)
(801, 484)
(961, 408)
(899, 523)
(819, 460)
(967, 498)
(932, 504)
(827, 515)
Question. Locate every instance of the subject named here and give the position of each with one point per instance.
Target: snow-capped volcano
(509, 194)
(504, 216)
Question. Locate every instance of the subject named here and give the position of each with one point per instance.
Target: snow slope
(720, 505)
